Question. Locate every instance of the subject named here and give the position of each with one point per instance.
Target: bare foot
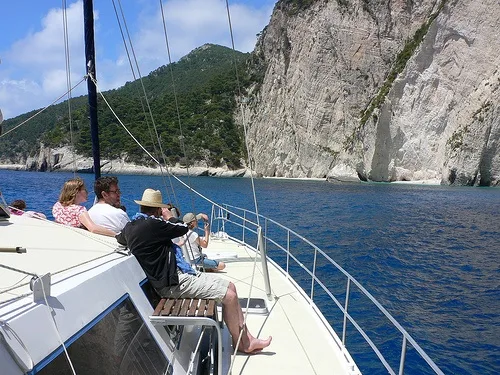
(256, 345)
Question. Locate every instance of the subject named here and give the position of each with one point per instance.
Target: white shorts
(201, 285)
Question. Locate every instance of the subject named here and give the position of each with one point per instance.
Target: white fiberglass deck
(301, 343)
(50, 247)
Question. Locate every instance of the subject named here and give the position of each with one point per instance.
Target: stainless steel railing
(244, 226)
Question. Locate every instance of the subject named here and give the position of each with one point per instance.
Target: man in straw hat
(149, 237)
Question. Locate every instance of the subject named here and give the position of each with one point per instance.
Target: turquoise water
(429, 254)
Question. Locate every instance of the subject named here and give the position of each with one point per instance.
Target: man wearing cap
(149, 237)
(193, 243)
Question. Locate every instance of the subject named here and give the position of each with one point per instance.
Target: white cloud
(35, 73)
(33, 70)
(21, 96)
(45, 49)
(192, 23)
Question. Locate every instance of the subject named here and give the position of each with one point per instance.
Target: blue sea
(429, 254)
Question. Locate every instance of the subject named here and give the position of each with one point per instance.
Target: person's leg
(208, 264)
(210, 286)
(233, 316)
(211, 264)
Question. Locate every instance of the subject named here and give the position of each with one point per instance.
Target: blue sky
(32, 68)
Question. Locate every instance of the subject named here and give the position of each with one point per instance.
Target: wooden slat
(194, 307)
(167, 309)
(211, 309)
(176, 308)
(185, 307)
(201, 308)
(159, 307)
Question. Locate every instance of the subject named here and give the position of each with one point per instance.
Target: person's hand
(165, 213)
(204, 217)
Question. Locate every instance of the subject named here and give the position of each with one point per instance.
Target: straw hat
(151, 198)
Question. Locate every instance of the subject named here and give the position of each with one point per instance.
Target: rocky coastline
(132, 169)
(62, 159)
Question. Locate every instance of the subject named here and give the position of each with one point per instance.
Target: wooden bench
(187, 307)
(189, 311)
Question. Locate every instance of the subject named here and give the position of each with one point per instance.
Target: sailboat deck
(301, 344)
(50, 248)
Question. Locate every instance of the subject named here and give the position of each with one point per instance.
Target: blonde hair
(70, 189)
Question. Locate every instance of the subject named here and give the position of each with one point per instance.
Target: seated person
(69, 211)
(107, 212)
(149, 237)
(193, 243)
(18, 208)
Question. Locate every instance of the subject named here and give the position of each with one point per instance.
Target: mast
(88, 22)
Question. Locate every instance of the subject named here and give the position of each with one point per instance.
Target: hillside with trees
(192, 103)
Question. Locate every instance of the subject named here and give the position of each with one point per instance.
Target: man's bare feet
(255, 346)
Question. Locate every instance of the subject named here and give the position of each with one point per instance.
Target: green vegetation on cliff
(400, 64)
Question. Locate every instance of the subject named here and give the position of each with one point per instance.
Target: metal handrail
(186, 321)
(227, 212)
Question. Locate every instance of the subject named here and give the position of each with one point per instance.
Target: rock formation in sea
(389, 90)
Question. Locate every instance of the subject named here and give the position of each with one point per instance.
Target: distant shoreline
(212, 172)
(141, 170)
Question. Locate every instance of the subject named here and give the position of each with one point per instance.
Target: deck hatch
(256, 306)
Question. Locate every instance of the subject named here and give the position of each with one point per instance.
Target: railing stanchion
(224, 220)
(346, 306)
(265, 234)
(244, 222)
(212, 215)
(287, 253)
(313, 274)
(263, 259)
(403, 357)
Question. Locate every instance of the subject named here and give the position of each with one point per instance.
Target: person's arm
(179, 241)
(93, 227)
(172, 227)
(121, 239)
(203, 241)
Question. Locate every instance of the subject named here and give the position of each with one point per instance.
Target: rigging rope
(249, 160)
(157, 162)
(68, 80)
(42, 110)
(181, 136)
(160, 153)
(181, 139)
(52, 317)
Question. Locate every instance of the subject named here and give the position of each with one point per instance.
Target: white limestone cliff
(316, 114)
